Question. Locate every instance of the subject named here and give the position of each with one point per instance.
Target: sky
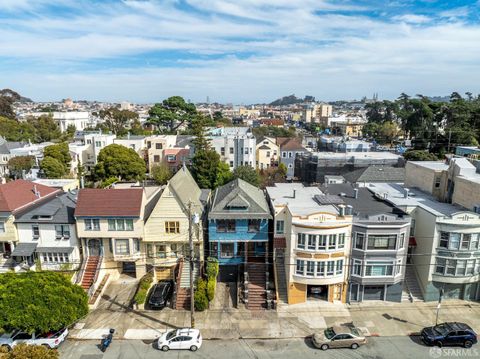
(238, 51)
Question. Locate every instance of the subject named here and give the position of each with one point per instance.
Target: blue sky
(239, 51)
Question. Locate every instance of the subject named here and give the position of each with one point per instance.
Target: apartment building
(380, 238)
(444, 242)
(313, 231)
(454, 181)
(235, 145)
(290, 148)
(49, 230)
(267, 153)
(110, 228)
(87, 146)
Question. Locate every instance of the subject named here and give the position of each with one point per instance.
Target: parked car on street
(186, 338)
(452, 333)
(338, 337)
(160, 294)
(51, 339)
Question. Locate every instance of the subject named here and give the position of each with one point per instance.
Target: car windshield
(329, 333)
(442, 329)
(355, 331)
(171, 334)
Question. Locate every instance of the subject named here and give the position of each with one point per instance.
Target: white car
(50, 340)
(186, 338)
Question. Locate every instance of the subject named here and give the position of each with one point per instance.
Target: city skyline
(237, 52)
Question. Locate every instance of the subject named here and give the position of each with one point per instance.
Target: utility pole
(192, 265)
(440, 296)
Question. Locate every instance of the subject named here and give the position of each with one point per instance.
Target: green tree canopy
(272, 175)
(273, 131)
(7, 98)
(419, 155)
(161, 173)
(24, 351)
(121, 162)
(60, 152)
(53, 168)
(248, 174)
(118, 121)
(39, 301)
(205, 165)
(12, 130)
(46, 129)
(224, 175)
(172, 113)
(18, 164)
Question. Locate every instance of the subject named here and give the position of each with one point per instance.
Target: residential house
(6, 155)
(110, 228)
(311, 244)
(87, 147)
(238, 222)
(235, 145)
(16, 197)
(167, 230)
(78, 119)
(267, 153)
(155, 148)
(289, 149)
(136, 143)
(444, 239)
(49, 229)
(379, 240)
(371, 174)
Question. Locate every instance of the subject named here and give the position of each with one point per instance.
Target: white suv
(186, 338)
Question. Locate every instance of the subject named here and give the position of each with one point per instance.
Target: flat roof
(395, 194)
(433, 165)
(357, 155)
(299, 199)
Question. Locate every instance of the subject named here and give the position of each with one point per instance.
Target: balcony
(128, 257)
(163, 260)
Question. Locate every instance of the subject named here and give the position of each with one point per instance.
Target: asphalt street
(376, 348)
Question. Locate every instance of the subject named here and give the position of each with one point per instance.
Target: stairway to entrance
(183, 285)
(411, 289)
(90, 271)
(280, 277)
(257, 297)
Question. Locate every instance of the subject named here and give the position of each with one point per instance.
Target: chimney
(35, 191)
(294, 193)
(82, 182)
(355, 193)
(405, 192)
(349, 210)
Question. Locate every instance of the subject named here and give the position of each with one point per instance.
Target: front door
(337, 292)
(94, 247)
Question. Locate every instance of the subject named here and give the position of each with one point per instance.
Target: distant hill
(25, 99)
(290, 100)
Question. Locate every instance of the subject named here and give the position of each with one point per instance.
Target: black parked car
(449, 334)
(160, 294)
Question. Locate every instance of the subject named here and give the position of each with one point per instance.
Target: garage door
(228, 273)
(373, 292)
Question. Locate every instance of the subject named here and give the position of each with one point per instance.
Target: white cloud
(291, 48)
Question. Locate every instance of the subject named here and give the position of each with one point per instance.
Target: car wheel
(193, 348)
(354, 346)
(165, 348)
(438, 344)
(324, 347)
(467, 344)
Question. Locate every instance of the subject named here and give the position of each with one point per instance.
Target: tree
(161, 173)
(40, 301)
(272, 175)
(12, 130)
(7, 98)
(389, 131)
(121, 162)
(69, 133)
(248, 174)
(17, 165)
(46, 129)
(116, 120)
(418, 155)
(60, 152)
(24, 351)
(172, 113)
(205, 164)
(223, 175)
(53, 168)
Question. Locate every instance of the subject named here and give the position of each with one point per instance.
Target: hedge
(200, 296)
(211, 284)
(143, 286)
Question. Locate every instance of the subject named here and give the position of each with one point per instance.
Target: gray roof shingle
(61, 208)
(376, 174)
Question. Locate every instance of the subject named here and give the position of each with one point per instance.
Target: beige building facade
(267, 153)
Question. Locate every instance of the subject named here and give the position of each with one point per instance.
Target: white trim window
(122, 246)
(332, 241)
(357, 267)
(341, 241)
(35, 231)
(62, 231)
(378, 268)
(120, 224)
(92, 224)
(457, 267)
(300, 267)
(322, 241)
(226, 250)
(279, 226)
(310, 269)
(312, 242)
(402, 241)
(301, 240)
(381, 241)
(359, 240)
(339, 267)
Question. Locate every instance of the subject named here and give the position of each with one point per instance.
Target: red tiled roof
(109, 202)
(19, 194)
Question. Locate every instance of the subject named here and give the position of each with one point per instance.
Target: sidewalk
(294, 321)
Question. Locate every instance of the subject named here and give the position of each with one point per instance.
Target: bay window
(357, 267)
(341, 241)
(378, 269)
(332, 238)
(320, 269)
(379, 242)
(339, 267)
(322, 242)
(301, 240)
(312, 242)
(310, 268)
(359, 239)
(122, 246)
(330, 267)
(300, 266)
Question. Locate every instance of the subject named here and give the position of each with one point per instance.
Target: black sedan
(160, 294)
(452, 333)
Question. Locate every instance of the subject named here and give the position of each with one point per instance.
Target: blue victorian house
(238, 223)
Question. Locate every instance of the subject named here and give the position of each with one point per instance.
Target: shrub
(200, 296)
(211, 284)
(212, 267)
(143, 286)
(23, 351)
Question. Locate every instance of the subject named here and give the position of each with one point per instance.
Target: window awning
(54, 250)
(24, 249)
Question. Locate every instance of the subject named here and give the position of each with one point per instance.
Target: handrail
(91, 290)
(79, 277)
